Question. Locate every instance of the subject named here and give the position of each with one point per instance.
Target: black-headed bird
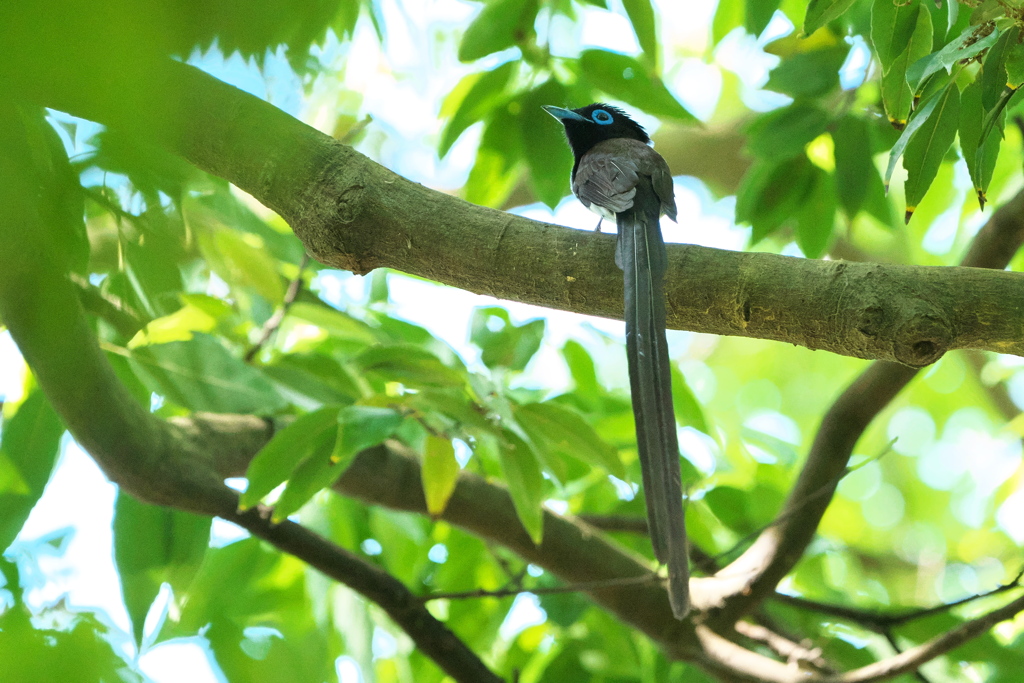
(617, 175)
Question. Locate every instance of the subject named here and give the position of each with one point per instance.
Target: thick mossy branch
(356, 215)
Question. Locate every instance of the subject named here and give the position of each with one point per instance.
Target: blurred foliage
(184, 273)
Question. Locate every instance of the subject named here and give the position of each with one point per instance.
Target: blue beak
(562, 114)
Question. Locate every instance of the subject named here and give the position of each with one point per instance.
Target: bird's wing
(607, 176)
(661, 178)
(606, 179)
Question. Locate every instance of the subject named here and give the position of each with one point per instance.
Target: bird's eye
(602, 117)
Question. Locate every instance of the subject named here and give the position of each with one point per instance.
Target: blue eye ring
(601, 116)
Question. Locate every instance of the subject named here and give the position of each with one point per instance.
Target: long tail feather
(640, 253)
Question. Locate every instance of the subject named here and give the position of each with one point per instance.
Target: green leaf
(772, 192)
(920, 117)
(783, 451)
(543, 143)
(249, 584)
(344, 24)
(335, 323)
(993, 72)
(929, 145)
(758, 14)
(522, 475)
(362, 427)
(200, 374)
(284, 452)
(502, 343)
(440, 473)
(1014, 64)
(626, 79)
(892, 24)
(150, 167)
(562, 431)
(688, 410)
(820, 12)
(728, 15)
(409, 364)
(980, 157)
(641, 16)
(854, 165)
(581, 368)
(29, 444)
(316, 471)
(180, 325)
(816, 217)
(455, 404)
(955, 51)
(808, 74)
(501, 24)
(153, 274)
(240, 259)
(897, 95)
(497, 166)
(312, 380)
(730, 505)
(785, 132)
(897, 98)
(472, 100)
(153, 545)
(225, 210)
(877, 203)
(60, 201)
(70, 647)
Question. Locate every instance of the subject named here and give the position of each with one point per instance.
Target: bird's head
(587, 126)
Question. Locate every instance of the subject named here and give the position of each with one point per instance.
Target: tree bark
(356, 215)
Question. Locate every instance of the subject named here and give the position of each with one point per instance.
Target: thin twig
(274, 321)
(825, 488)
(896, 648)
(881, 622)
(437, 641)
(356, 130)
(772, 624)
(792, 652)
(111, 308)
(728, 657)
(545, 590)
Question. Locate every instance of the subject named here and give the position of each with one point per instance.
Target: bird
(618, 175)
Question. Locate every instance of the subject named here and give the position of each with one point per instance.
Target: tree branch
(725, 655)
(791, 651)
(431, 636)
(354, 214)
(881, 622)
(757, 571)
(151, 459)
(274, 321)
(911, 659)
(896, 648)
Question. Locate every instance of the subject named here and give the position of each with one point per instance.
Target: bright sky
(401, 90)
